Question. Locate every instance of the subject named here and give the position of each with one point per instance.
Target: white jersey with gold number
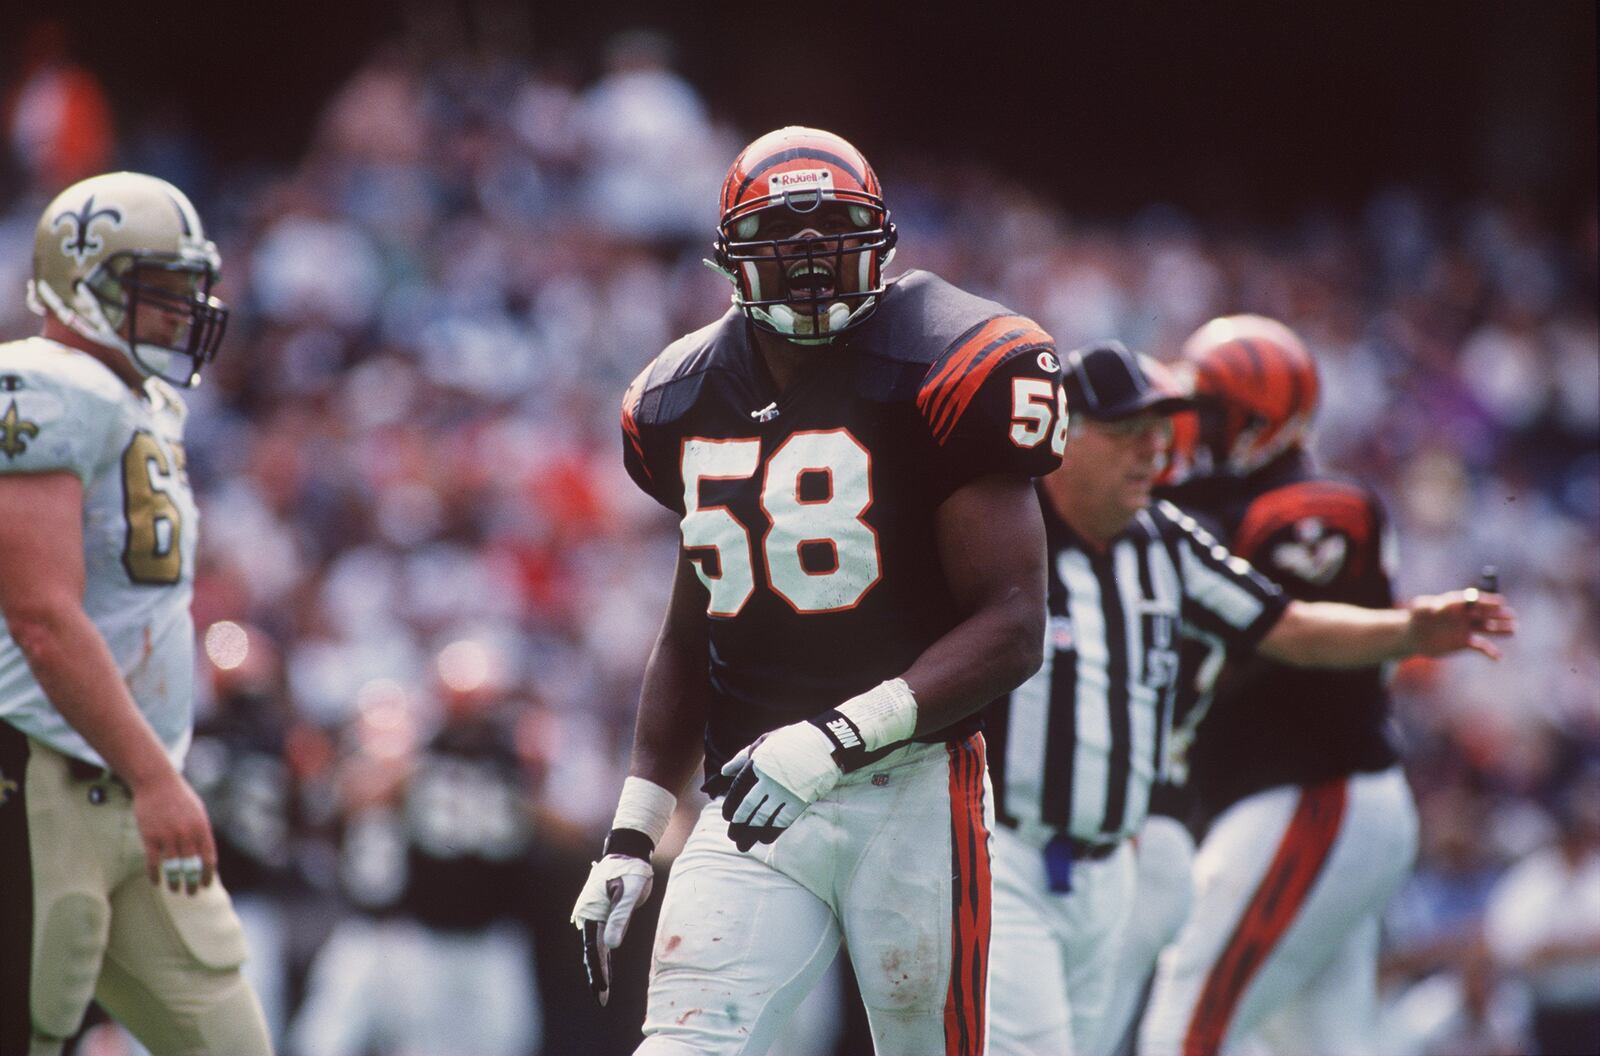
(62, 411)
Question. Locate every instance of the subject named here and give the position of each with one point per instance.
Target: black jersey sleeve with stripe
(1223, 595)
(1321, 540)
(657, 401)
(656, 480)
(992, 403)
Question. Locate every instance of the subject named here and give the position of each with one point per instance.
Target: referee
(1074, 750)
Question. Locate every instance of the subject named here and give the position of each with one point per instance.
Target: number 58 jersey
(63, 411)
(809, 515)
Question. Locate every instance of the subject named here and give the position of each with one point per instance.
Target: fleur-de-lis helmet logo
(80, 242)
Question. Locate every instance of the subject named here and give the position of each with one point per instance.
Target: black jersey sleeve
(1321, 540)
(633, 453)
(992, 403)
(1223, 595)
(642, 444)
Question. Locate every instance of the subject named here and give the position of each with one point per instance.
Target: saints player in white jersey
(107, 863)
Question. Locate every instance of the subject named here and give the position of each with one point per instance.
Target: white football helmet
(113, 244)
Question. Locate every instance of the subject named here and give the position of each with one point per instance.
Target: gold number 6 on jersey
(155, 526)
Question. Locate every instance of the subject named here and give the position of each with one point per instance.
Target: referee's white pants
(1054, 953)
(1283, 937)
(1161, 901)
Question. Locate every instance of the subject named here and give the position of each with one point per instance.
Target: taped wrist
(644, 809)
(882, 717)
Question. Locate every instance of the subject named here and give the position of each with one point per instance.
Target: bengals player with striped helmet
(1308, 824)
(861, 572)
(804, 235)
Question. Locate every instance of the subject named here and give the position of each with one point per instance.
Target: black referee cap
(1105, 382)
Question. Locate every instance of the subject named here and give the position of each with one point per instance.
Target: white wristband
(645, 807)
(886, 714)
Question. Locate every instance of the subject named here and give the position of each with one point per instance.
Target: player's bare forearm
(669, 734)
(41, 590)
(75, 669)
(1335, 635)
(992, 546)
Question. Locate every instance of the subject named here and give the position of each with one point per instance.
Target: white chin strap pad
(154, 359)
(802, 329)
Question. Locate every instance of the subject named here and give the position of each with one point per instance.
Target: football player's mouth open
(812, 278)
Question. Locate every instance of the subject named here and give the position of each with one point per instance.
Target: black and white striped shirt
(1077, 746)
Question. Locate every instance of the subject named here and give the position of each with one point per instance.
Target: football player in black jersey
(436, 860)
(1310, 824)
(1079, 746)
(862, 570)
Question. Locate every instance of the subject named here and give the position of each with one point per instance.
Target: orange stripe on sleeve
(630, 427)
(960, 358)
(964, 390)
(945, 396)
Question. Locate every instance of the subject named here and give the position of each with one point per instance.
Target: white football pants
(1289, 886)
(1162, 896)
(1055, 953)
(894, 862)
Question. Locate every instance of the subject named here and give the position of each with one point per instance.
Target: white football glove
(775, 779)
(783, 772)
(617, 885)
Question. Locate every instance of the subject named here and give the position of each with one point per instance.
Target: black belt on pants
(1084, 851)
(84, 771)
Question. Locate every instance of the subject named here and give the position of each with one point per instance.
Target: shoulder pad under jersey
(1320, 531)
(923, 324)
(168, 399)
(921, 316)
(666, 389)
(58, 407)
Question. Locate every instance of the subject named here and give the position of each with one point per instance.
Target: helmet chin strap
(803, 329)
(85, 319)
(88, 320)
(793, 325)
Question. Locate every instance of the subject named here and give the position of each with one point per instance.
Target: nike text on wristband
(849, 748)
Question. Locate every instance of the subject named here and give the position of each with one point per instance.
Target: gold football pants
(80, 919)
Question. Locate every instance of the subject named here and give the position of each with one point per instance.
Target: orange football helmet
(804, 234)
(1256, 388)
(1184, 440)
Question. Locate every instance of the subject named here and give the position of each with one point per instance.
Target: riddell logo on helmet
(800, 180)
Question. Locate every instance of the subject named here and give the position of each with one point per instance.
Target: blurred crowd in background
(427, 589)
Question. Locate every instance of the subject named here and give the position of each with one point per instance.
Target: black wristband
(630, 842)
(849, 748)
